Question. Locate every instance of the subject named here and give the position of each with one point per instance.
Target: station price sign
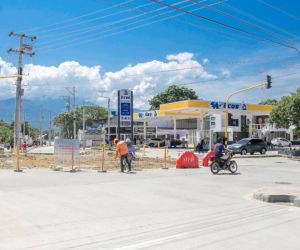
(125, 107)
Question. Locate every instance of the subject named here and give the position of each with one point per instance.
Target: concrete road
(154, 209)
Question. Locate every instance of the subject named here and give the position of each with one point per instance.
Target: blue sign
(125, 109)
(125, 105)
(222, 105)
(147, 114)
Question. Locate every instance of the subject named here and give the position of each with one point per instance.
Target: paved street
(154, 209)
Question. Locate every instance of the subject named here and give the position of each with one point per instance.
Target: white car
(154, 142)
(281, 142)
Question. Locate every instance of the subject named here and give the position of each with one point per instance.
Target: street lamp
(266, 84)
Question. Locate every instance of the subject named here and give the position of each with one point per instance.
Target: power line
(243, 21)
(97, 27)
(88, 21)
(247, 14)
(225, 25)
(109, 25)
(81, 16)
(280, 10)
(122, 31)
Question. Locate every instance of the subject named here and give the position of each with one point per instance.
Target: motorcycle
(223, 163)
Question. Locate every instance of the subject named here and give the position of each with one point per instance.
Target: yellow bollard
(102, 160)
(18, 160)
(144, 149)
(165, 159)
(72, 161)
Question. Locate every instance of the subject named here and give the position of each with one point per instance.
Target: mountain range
(36, 110)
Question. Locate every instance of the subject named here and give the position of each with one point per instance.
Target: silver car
(281, 142)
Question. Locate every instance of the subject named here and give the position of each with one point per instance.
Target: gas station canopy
(199, 108)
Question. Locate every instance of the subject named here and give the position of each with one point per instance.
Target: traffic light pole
(266, 84)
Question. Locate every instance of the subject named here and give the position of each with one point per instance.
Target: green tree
(6, 133)
(173, 93)
(92, 114)
(269, 102)
(287, 112)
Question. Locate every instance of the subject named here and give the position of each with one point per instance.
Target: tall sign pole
(119, 115)
(125, 111)
(131, 112)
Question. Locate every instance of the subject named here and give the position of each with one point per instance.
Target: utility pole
(108, 117)
(50, 128)
(41, 127)
(28, 131)
(108, 120)
(73, 94)
(83, 125)
(68, 101)
(24, 127)
(27, 50)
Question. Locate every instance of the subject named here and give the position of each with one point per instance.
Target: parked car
(175, 143)
(249, 145)
(154, 142)
(281, 142)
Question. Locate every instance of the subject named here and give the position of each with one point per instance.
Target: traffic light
(269, 81)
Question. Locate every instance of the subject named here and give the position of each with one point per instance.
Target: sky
(101, 46)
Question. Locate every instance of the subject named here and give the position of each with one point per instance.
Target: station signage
(232, 106)
(147, 114)
(125, 109)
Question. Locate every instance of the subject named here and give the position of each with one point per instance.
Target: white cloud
(205, 60)
(145, 79)
(181, 57)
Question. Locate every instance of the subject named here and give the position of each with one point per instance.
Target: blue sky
(230, 59)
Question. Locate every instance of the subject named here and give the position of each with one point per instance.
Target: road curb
(279, 195)
(255, 156)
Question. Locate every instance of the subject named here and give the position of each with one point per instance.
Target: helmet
(116, 141)
(220, 140)
(128, 140)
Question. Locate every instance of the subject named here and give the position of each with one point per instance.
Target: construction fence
(68, 155)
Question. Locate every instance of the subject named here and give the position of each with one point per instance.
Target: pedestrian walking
(24, 147)
(122, 152)
(131, 150)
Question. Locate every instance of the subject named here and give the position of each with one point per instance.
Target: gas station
(194, 120)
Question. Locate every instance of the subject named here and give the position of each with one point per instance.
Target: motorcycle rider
(219, 148)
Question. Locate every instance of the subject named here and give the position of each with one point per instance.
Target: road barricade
(206, 158)
(187, 159)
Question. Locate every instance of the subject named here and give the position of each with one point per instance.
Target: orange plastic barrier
(206, 158)
(187, 160)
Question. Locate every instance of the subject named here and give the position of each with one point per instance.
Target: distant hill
(33, 108)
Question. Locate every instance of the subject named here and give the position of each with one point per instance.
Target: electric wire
(90, 20)
(110, 24)
(280, 10)
(243, 21)
(225, 25)
(81, 41)
(264, 22)
(78, 17)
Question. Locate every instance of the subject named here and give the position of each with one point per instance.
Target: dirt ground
(90, 160)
